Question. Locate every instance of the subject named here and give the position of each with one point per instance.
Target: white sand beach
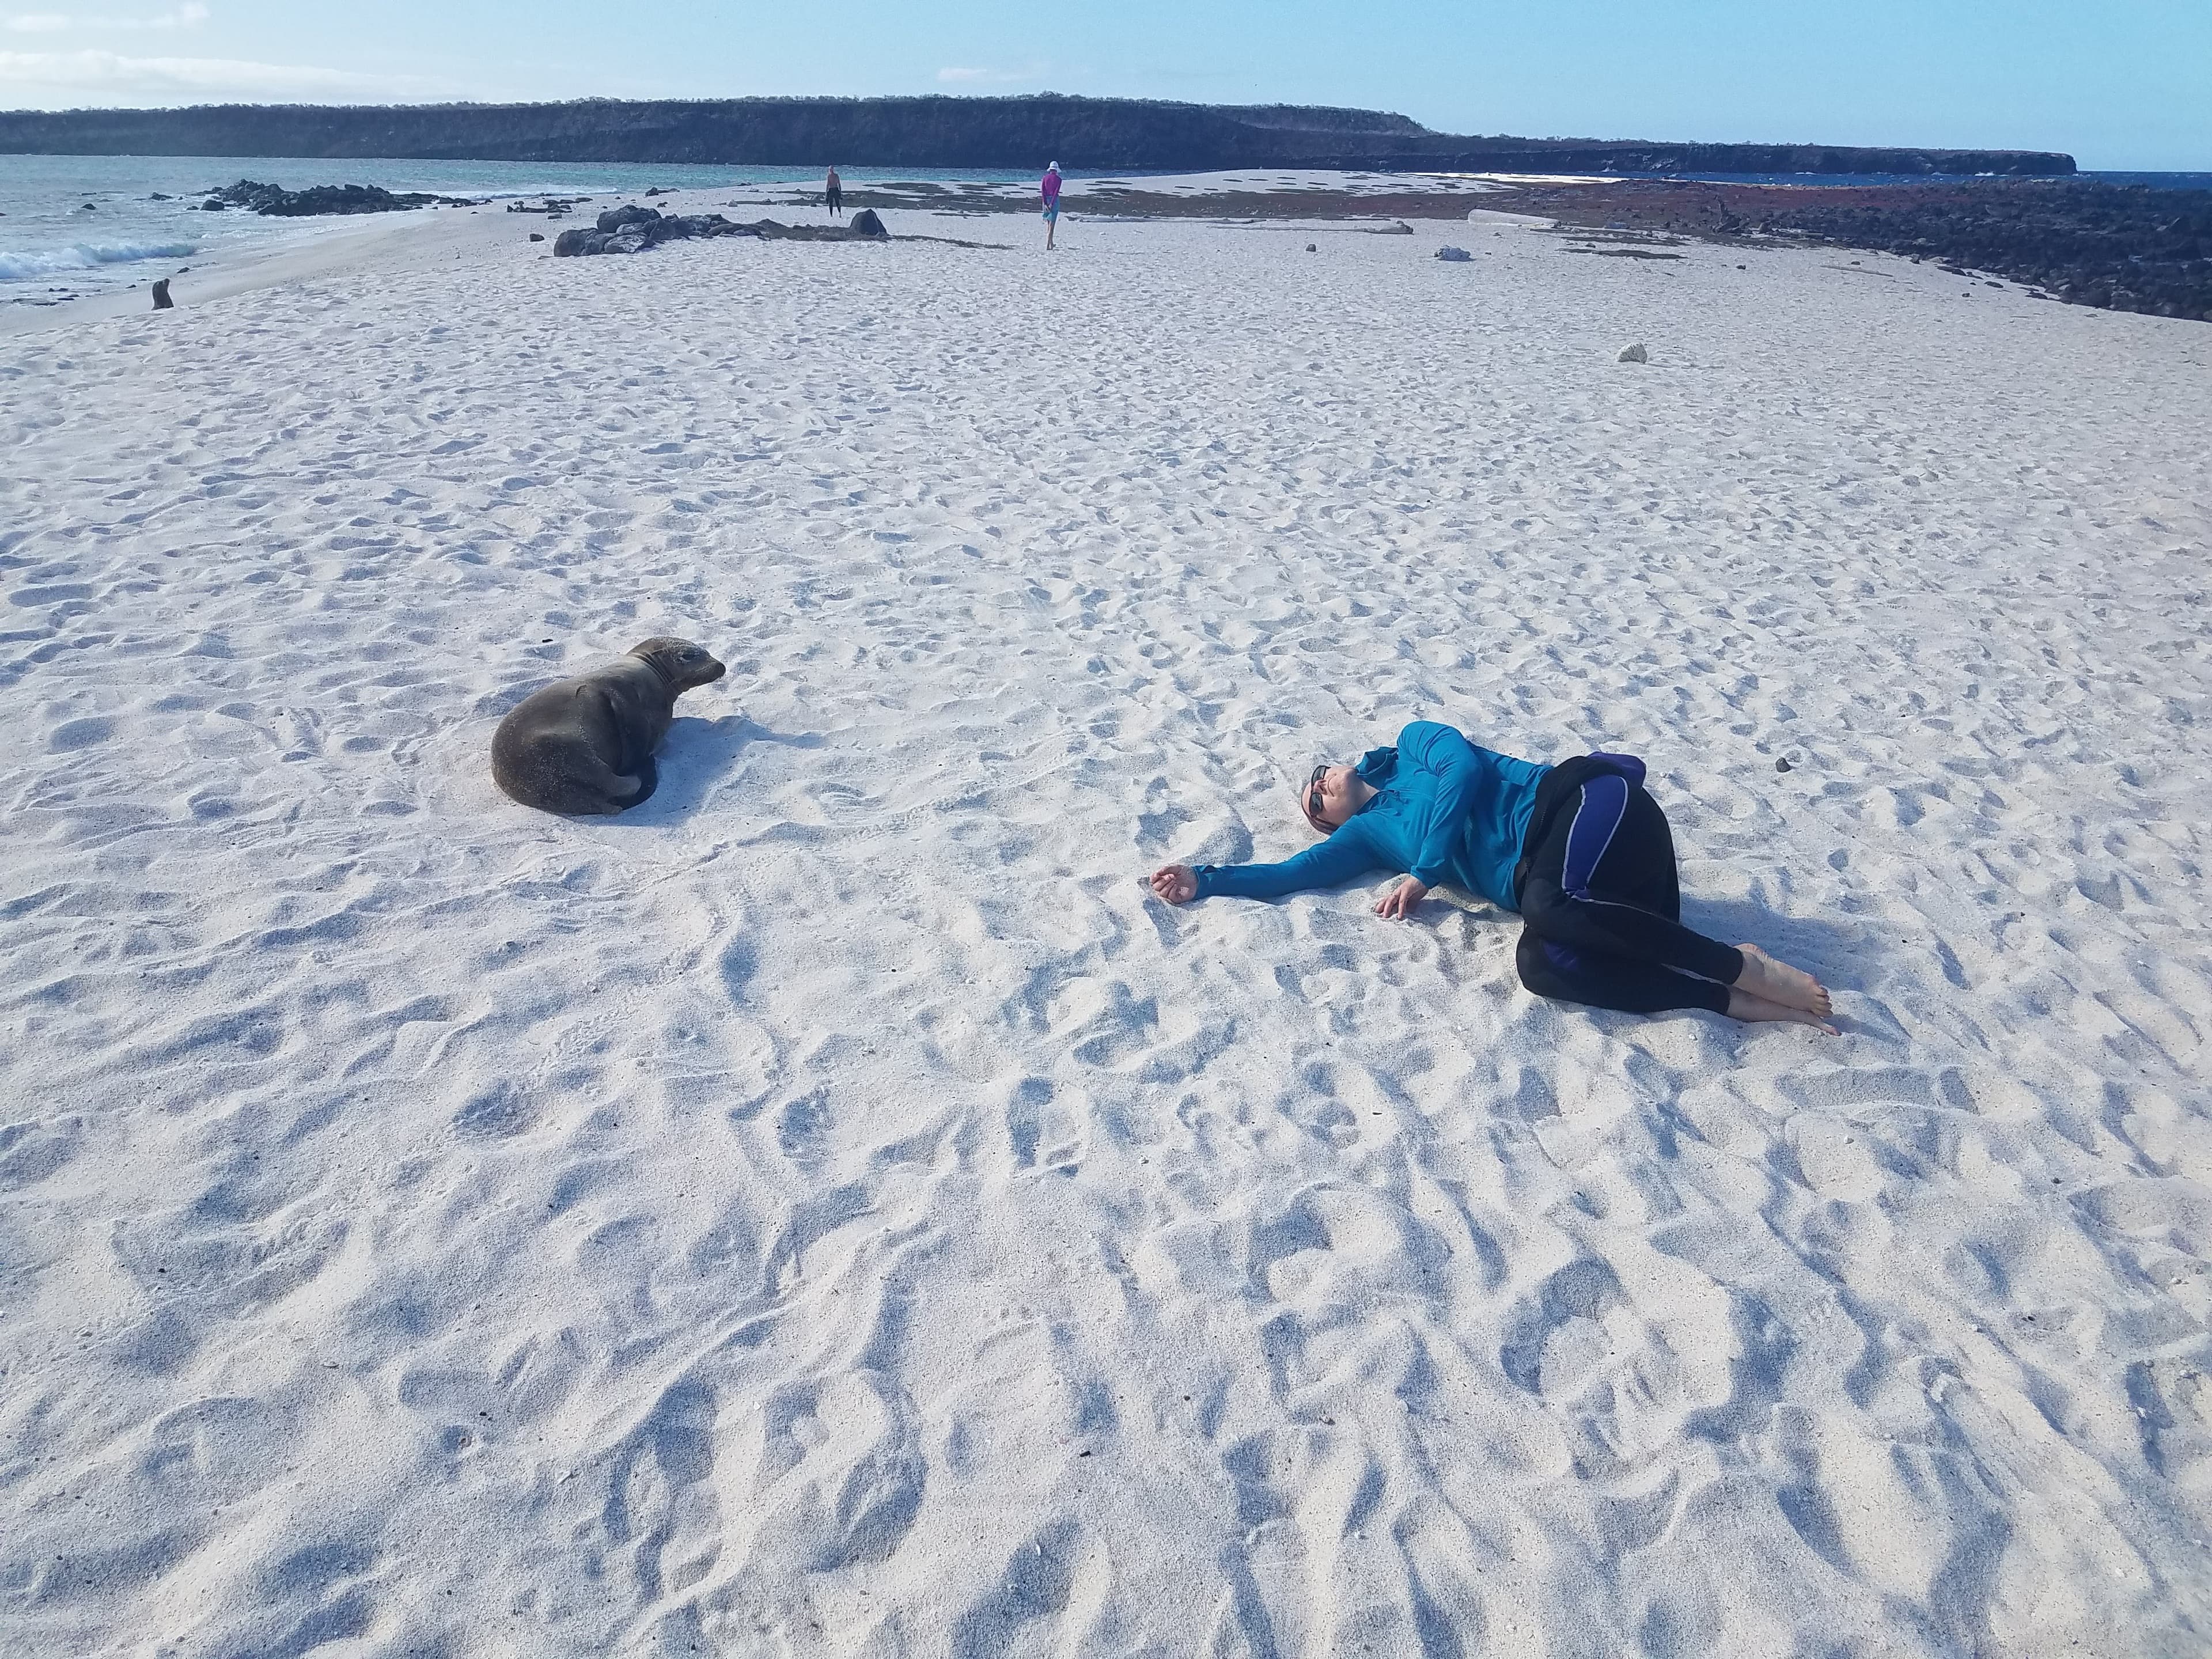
(833, 1209)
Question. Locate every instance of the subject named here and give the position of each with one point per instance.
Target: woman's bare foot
(1758, 1011)
(1769, 981)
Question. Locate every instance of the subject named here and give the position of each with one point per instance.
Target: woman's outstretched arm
(1450, 759)
(1346, 853)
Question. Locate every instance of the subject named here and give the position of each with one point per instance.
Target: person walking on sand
(1578, 849)
(1050, 190)
(833, 191)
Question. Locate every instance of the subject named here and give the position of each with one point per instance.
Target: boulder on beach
(1635, 354)
(615, 218)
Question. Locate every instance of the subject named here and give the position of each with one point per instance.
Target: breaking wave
(85, 256)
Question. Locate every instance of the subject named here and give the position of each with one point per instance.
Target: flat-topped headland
(1088, 133)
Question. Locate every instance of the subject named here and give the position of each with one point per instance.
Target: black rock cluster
(279, 202)
(633, 229)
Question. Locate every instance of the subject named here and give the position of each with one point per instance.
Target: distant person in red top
(1050, 190)
(834, 192)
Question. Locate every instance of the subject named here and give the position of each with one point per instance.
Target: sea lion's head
(679, 662)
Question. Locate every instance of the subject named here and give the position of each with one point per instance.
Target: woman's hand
(1176, 883)
(1398, 903)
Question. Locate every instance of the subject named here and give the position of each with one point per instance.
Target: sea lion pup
(586, 744)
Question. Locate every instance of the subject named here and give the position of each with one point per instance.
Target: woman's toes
(1779, 982)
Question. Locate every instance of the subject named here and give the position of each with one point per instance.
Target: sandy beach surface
(833, 1210)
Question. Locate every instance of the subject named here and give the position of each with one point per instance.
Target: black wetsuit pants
(1602, 902)
(836, 199)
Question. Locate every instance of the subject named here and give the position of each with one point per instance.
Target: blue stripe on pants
(1604, 804)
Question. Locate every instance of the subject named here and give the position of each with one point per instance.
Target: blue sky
(2118, 83)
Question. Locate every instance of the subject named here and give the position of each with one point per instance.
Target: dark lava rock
(615, 218)
(536, 235)
(157, 197)
(274, 201)
(1782, 765)
(632, 230)
(213, 206)
(2126, 247)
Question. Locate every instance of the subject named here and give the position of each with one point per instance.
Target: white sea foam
(17, 263)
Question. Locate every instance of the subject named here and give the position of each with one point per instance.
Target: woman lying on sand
(1578, 849)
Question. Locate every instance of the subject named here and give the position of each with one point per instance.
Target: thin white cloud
(55, 80)
(996, 77)
(190, 16)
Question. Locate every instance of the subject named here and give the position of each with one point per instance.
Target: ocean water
(75, 225)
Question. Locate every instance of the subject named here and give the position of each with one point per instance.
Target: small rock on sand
(1455, 255)
(1635, 354)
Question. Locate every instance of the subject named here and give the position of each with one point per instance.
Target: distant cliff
(1090, 133)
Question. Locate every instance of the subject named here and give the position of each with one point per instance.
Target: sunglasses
(1313, 791)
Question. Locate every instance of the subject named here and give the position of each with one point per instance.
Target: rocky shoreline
(2122, 247)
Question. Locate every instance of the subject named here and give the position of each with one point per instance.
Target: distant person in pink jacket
(1050, 190)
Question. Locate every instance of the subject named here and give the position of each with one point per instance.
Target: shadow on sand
(696, 756)
(1825, 949)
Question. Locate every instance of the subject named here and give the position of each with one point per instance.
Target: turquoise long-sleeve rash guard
(1444, 810)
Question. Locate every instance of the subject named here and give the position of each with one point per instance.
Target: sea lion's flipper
(648, 779)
